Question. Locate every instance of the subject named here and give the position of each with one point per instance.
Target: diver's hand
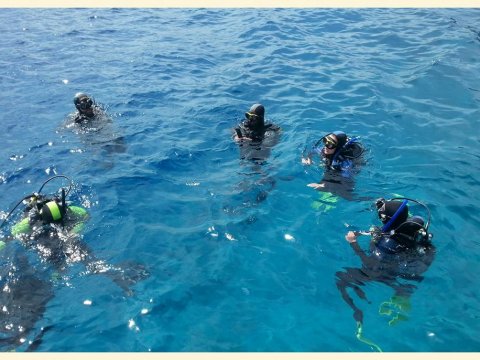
(316, 185)
(241, 139)
(351, 237)
(307, 161)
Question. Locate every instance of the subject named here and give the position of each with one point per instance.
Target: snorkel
(386, 227)
(427, 210)
(392, 226)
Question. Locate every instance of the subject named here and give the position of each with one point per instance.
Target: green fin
(364, 340)
(325, 202)
(398, 308)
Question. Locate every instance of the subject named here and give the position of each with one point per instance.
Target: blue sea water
(165, 186)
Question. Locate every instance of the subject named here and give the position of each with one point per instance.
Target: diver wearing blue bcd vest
(400, 249)
(341, 157)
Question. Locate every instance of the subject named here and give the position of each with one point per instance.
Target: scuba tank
(41, 207)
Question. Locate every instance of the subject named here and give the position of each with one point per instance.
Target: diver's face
(327, 151)
(85, 106)
(330, 144)
(253, 121)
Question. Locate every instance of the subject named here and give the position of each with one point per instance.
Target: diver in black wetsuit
(400, 251)
(87, 109)
(95, 128)
(341, 157)
(255, 137)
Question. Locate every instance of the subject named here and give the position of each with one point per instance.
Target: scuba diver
(52, 226)
(254, 136)
(341, 157)
(400, 251)
(47, 222)
(86, 107)
(95, 128)
(255, 139)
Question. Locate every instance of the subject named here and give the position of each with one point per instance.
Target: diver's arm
(240, 139)
(307, 160)
(351, 237)
(22, 227)
(274, 134)
(316, 185)
(76, 217)
(238, 135)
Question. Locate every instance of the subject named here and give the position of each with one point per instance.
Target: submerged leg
(343, 282)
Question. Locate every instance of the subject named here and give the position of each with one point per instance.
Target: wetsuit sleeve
(77, 217)
(361, 254)
(22, 227)
(272, 136)
(238, 132)
(78, 118)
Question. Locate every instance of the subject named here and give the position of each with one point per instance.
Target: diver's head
(83, 103)
(51, 212)
(392, 209)
(341, 138)
(255, 117)
(333, 142)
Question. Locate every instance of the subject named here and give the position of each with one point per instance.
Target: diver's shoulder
(353, 150)
(272, 127)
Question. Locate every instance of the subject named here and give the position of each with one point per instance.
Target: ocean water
(166, 188)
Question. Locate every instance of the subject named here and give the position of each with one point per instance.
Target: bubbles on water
(192, 183)
(212, 231)
(132, 325)
(79, 151)
(51, 170)
(289, 237)
(16, 157)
